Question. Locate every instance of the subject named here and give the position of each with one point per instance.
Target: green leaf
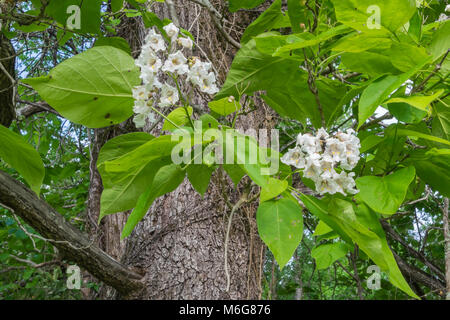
(378, 91)
(121, 194)
(322, 228)
(167, 179)
(252, 70)
(295, 100)
(441, 121)
(116, 5)
(225, 106)
(235, 5)
(360, 42)
(326, 254)
(320, 210)
(34, 27)
(406, 62)
(199, 176)
(411, 133)
(298, 13)
(265, 22)
(116, 42)
(300, 43)
(404, 112)
(280, 225)
(373, 64)
(179, 116)
(362, 227)
(235, 172)
(370, 142)
(89, 13)
(419, 102)
(93, 88)
(385, 194)
(131, 163)
(246, 154)
(151, 19)
(356, 14)
(273, 189)
(22, 157)
(441, 41)
(434, 169)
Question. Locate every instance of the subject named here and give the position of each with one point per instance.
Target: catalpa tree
(361, 85)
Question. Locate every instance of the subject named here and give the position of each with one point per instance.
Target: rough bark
(7, 81)
(71, 242)
(446, 247)
(298, 277)
(180, 244)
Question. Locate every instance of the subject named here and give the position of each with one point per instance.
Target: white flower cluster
(320, 155)
(157, 64)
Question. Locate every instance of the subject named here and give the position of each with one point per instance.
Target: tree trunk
(7, 81)
(179, 245)
(298, 276)
(446, 247)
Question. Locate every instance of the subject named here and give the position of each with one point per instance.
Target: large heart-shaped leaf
(280, 225)
(385, 194)
(93, 88)
(362, 14)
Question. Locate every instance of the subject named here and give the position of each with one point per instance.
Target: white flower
(149, 78)
(198, 71)
(140, 119)
(208, 84)
(327, 169)
(142, 107)
(327, 186)
(155, 41)
(322, 154)
(447, 8)
(172, 31)
(140, 93)
(169, 96)
(322, 134)
(346, 181)
(335, 149)
(185, 42)
(308, 143)
(312, 171)
(148, 60)
(176, 63)
(294, 157)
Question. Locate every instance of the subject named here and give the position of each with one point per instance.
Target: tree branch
(34, 108)
(414, 253)
(217, 19)
(71, 242)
